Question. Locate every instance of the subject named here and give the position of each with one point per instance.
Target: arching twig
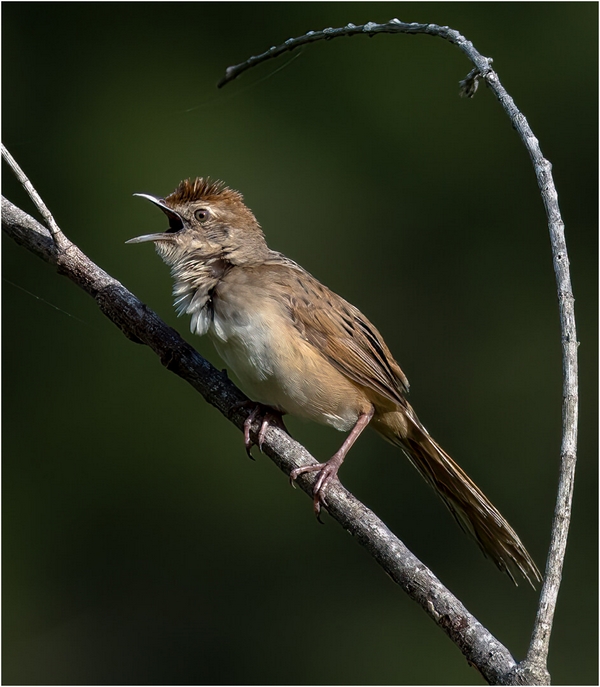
(534, 668)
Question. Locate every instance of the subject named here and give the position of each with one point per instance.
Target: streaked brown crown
(190, 191)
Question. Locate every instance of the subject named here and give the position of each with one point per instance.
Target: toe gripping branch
(267, 416)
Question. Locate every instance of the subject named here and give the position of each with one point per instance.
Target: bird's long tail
(473, 511)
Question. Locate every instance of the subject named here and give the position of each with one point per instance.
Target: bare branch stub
(59, 238)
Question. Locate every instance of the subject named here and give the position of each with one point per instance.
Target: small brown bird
(301, 349)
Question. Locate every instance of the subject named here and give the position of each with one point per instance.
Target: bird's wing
(342, 334)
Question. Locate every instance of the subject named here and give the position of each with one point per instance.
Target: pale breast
(253, 333)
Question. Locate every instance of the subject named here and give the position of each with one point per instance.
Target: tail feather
(473, 511)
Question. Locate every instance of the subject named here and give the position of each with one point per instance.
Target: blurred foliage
(140, 544)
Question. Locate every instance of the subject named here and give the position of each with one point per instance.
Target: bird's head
(207, 221)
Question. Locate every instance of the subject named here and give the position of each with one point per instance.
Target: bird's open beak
(175, 221)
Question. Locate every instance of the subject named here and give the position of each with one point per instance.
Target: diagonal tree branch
(142, 325)
(534, 667)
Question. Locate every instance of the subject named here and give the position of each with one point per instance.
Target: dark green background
(140, 544)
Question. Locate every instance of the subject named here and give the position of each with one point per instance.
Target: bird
(298, 348)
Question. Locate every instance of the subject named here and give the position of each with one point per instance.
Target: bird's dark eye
(202, 215)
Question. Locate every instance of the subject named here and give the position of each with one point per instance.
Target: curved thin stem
(534, 667)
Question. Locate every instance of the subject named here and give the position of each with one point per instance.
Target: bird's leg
(267, 415)
(328, 471)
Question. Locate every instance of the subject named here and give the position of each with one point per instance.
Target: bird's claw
(327, 472)
(268, 415)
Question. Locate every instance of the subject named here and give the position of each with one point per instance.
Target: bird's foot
(327, 472)
(267, 416)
